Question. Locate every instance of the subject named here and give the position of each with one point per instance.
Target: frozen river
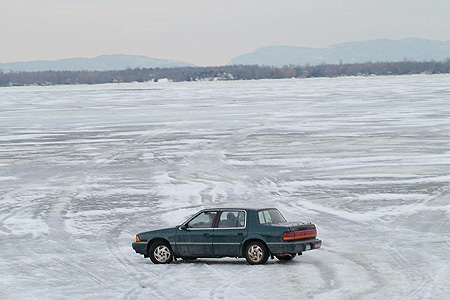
(85, 168)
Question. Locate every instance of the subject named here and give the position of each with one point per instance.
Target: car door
(194, 239)
(231, 230)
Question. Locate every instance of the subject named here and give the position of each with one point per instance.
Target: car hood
(158, 232)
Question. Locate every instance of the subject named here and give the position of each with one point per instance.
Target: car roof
(237, 208)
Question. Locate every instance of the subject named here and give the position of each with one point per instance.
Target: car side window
(270, 216)
(264, 217)
(203, 220)
(232, 219)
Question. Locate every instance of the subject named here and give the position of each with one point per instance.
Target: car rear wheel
(256, 253)
(160, 253)
(286, 257)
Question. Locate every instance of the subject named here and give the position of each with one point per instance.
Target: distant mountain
(100, 63)
(353, 52)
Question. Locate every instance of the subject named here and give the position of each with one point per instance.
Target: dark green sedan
(255, 234)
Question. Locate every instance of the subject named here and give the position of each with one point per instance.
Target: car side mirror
(184, 227)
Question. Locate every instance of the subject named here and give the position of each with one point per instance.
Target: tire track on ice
(10, 213)
(417, 284)
(219, 292)
(130, 267)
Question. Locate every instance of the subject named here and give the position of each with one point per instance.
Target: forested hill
(235, 72)
(99, 63)
(353, 52)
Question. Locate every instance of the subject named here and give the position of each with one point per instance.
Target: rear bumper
(140, 247)
(294, 246)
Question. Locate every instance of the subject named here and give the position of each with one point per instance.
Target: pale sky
(206, 32)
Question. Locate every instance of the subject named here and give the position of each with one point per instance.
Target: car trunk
(298, 231)
(296, 226)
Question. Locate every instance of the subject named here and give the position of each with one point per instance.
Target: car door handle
(206, 234)
(240, 234)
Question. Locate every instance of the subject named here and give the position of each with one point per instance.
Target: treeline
(236, 72)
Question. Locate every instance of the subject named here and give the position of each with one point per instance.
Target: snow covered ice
(85, 168)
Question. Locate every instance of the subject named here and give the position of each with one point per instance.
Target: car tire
(256, 253)
(160, 253)
(287, 257)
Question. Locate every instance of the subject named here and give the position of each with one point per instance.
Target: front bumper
(294, 246)
(140, 247)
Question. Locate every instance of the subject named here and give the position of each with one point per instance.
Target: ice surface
(85, 168)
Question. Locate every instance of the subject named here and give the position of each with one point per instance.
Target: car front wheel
(256, 253)
(160, 253)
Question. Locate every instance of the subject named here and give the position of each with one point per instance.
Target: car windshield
(270, 216)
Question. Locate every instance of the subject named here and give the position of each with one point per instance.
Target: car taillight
(138, 239)
(295, 235)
